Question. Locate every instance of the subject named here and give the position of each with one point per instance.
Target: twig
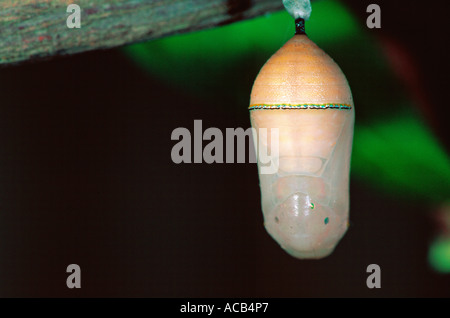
(31, 29)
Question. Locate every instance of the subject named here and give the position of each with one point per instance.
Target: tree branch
(31, 29)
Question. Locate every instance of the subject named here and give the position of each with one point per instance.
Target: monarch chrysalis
(303, 92)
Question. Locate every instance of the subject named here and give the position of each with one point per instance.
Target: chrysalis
(303, 92)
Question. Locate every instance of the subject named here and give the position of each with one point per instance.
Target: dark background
(87, 178)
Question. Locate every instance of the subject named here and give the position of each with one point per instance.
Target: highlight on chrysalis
(303, 93)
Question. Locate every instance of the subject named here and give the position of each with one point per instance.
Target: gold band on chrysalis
(301, 106)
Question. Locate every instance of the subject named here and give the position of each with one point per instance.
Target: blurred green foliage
(394, 150)
(439, 255)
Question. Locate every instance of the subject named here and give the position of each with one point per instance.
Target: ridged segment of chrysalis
(303, 92)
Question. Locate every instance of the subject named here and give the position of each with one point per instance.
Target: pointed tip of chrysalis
(300, 26)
